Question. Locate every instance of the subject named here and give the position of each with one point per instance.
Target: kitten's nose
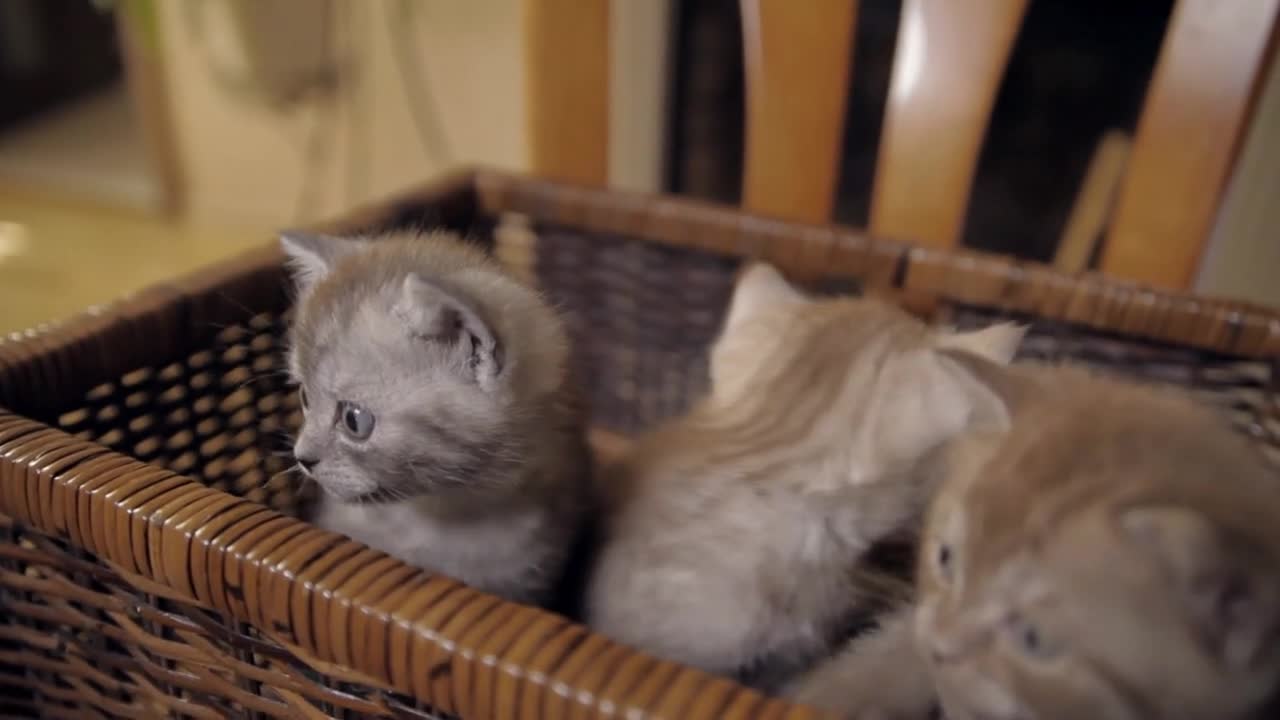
(307, 463)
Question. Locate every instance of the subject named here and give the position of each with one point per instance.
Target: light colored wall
(1243, 260)
(639, 51)
(244, 162)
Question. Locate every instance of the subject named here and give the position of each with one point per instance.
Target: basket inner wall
(642, 317)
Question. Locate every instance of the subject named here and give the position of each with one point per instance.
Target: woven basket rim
(964, 276)
(438, 626)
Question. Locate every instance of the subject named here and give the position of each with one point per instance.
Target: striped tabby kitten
(732, 536)
(438, 414)
(1114, 555)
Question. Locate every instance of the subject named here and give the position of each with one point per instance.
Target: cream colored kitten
(733, 535)
(1115, 555)
(439, 418)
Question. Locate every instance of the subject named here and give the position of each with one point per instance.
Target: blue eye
(357, 421)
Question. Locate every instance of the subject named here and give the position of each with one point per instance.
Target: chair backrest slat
(950, 58)
(567, 83)
(1195, 114)
(798, 60)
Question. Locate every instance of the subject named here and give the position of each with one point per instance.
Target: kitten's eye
(1030, 641)
(945, 560)
(357, 421)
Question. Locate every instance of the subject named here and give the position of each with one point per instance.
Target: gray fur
(475, 467)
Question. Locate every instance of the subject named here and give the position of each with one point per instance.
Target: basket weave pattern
(150, 561)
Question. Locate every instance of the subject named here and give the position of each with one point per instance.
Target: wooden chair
(1155, 195)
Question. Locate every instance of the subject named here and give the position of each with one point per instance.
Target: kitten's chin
(381, 496)
(361, 493)
(981, 700)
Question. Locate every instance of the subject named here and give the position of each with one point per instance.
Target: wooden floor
(59, 256)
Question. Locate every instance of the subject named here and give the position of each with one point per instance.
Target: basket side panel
(82, 638)
(45, 371)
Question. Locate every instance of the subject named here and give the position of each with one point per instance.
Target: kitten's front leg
(877, 675)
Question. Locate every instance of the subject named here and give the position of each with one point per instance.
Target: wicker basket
(149, 566)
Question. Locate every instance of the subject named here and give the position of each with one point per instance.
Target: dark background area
(37, 74)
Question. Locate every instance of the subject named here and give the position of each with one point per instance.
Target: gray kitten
(438, 414)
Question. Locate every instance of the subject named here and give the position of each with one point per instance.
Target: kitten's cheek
(342, 485)
(952, 699)
(966, 694)
(925, 626)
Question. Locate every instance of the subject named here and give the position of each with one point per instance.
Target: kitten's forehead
(328, 314)
(992, 532)
(371, 346)
(1003, 526)
(1049, 469)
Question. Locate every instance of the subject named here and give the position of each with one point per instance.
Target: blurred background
(143, 138)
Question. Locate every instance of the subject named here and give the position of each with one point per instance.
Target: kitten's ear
(969, 390)
(759, 287)
(997, 343)
(434, 313)
(931, 397)
(312, 256)
(1229, 591)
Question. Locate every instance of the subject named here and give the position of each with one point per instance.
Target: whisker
(286, 471)
(266, 375)
(248, 312)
